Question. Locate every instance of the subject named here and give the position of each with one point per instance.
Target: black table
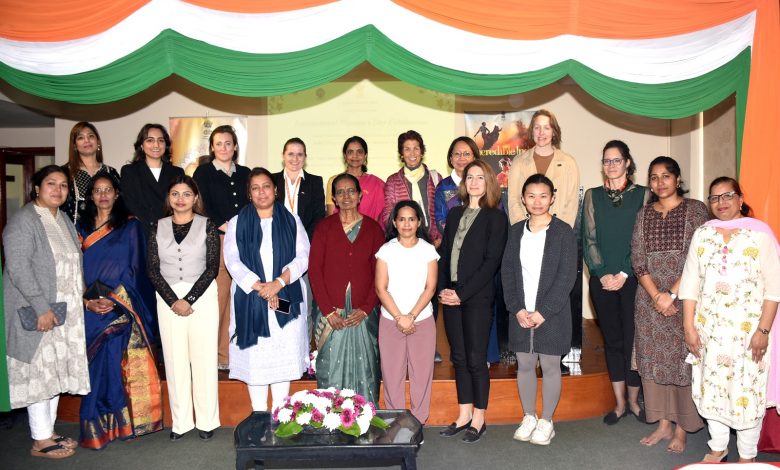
(256, 442)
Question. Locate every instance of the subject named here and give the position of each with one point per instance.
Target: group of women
(158, 258)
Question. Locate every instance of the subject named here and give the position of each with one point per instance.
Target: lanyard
(291, 193)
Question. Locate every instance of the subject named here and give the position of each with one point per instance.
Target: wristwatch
(763, 330)
(672, 295)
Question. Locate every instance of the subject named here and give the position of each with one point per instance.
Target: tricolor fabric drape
(664, 59)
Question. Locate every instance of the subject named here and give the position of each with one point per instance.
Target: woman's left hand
(758, 345)
(449, 297)
(354, 318)
(536, 318)
(268, 289)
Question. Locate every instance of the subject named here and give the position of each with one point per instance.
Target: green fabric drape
(244, 74)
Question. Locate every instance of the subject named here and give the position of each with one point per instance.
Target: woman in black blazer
(471, 253)
(538, 272)
(301, 193)
(146, 179)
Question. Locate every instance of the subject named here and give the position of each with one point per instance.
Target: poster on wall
(500, 136)
(190, 138)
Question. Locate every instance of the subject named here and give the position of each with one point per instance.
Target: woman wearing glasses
(372, 195)
(662, 233)
(730, 289)
(608, 215)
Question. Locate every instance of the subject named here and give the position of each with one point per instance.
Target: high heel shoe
(453, 429)
(472, 435)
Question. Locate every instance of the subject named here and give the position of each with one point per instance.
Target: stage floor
(586, 393)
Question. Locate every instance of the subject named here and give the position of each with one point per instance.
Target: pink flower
(347, 418)
(359, 400)
(373, 408)
(275, 414)
(722, 287)
(316, 415)
(338, 400)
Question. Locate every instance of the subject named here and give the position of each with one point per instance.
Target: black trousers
(468, 329)
(615, 311)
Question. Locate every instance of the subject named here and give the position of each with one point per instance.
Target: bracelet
(763, 330)
(281, 281)
(331, 313)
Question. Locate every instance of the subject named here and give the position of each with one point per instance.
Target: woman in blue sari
(120, 320)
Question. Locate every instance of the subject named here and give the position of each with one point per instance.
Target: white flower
(284, 415)
(303, 418)
(348, 405)
(322, 404)
(364, 422)
(299, 396)
(331, 421)
(309, 399)
(331, 389)
(347, 392)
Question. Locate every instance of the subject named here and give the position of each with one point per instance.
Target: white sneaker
(543, 433)
(526, 428)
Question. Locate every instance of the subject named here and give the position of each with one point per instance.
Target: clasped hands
(449, 297)
(405, 324)
(528, 319)
(664, 304)
(612, 282)
(182, 308)
(101, 306)
(353, 319)
(268, 291)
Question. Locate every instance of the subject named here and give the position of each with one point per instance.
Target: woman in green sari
(341, 271)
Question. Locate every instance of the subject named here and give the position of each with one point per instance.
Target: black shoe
(612, 418)
(175, 436)
(437, 357)
(453, 429)
(472, 435)
(639, 416)
(205, 435)
(565, 369)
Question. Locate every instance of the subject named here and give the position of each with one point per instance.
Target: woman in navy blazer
(471, 252)
(146, 179)
(301, 193)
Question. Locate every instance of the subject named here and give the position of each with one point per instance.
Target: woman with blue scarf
(266, 252)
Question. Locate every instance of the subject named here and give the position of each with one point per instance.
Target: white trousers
(747, 439)
(190, 353)
(42, 416)
(258, 394)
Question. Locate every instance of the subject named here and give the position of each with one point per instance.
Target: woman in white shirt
(538, 272)
(406, 273)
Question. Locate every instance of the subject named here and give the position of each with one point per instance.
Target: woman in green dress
(341, 271)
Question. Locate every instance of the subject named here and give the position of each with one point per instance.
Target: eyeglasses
(715, 198)
(614, 161)
(462, 155)
(350, 191)
(107, 190)
(185, 195)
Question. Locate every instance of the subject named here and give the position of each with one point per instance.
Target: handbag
(30, 319)
(97, 290)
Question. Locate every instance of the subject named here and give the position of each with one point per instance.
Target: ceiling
(12, 115)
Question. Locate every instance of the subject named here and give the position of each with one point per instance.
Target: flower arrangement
(329, 408)
(312, 370)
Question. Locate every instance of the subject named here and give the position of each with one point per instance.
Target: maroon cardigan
(334, 262)
(397, 189)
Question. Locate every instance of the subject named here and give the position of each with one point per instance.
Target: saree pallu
(126, 396)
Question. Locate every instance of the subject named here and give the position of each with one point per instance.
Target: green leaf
(379, 422)
(288, 429)
(353, 430)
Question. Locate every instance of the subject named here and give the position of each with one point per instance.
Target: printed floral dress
(730, 282)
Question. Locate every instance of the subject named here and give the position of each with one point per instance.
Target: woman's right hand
(47, 321)
(335, 321)
(405, 324)
(182, 308)
(693, 342)
(523, 319)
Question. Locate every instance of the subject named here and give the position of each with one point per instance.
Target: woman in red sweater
(341, 271)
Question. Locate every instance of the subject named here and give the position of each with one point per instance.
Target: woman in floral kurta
(730, 289)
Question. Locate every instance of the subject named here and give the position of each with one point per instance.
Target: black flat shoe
(612, 417)
(453, 429)
(176, 436)
(639, 416)
(205, 435)
(472, 435)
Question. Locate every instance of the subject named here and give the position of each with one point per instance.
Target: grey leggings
(551, 382)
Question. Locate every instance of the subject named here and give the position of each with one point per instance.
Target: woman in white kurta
(730, 289)
(266, 252)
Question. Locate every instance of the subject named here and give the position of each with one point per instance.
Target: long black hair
(40, 175)
(392, 232)
(119, 212)
(672, 167)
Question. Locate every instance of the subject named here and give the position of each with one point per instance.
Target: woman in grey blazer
(43, 274)
(538, 272)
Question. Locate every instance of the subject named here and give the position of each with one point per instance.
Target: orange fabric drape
(254, 6)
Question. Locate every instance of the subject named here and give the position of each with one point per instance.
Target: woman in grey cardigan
(43, 271)
(538, 272)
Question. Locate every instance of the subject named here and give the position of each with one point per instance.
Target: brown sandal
(46, 452)
(65, 442)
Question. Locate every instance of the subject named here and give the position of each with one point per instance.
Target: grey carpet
(587, 444)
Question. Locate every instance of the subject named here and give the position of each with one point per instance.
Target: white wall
(27, 137)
